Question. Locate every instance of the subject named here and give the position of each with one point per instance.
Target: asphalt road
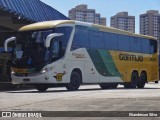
(88, 98)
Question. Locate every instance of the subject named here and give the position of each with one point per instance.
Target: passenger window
(96, 40)
(66, 31)
(145, 46)
(56, 48)
(153, 46)
(135, 44)
(124, 43)
(111, 41)
(80, 39)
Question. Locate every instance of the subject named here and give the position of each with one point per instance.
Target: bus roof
(53, 24)
(45, 25)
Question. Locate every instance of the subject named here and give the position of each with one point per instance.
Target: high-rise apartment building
(82, 13)
(123, 21)
(150, 23)
(103, 21)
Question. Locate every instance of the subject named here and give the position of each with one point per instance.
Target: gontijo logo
(128, 57)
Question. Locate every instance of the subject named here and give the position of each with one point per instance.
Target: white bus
(70, 53)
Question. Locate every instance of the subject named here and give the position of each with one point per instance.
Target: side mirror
(7, 41)
(49, 38)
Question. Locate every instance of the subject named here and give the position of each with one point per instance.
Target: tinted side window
(96, 40)
(135, 44)
(81, 39)
(66, 35)
(123, 42)
(153, 46)
(111, 41)
(145, 46)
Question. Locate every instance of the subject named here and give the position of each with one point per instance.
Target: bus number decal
(153, 59)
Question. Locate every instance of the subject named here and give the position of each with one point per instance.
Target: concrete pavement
(88, 98)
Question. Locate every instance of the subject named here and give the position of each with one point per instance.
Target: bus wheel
(75, 82)
(156, 81)
(114, 85)
(41, 88)
(142, 80)
(134, 81)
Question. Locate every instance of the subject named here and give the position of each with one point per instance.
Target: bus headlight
(43, 71)
(12, 72)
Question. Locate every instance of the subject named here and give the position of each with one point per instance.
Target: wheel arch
(135, 71)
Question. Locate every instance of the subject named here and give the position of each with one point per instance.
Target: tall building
(82, 13)
(150, 23)
(103, 21)
(123, 21)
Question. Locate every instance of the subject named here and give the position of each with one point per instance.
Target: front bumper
(30, 79)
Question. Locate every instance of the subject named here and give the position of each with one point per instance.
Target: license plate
(26, 80)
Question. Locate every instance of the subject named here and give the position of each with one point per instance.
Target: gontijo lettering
(127, 57)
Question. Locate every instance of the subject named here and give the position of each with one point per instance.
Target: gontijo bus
(72, 53)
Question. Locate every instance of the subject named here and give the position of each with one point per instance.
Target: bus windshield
(30, 50)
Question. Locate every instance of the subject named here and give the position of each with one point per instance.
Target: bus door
(57, 53)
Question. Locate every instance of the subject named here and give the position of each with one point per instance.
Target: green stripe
(103, 62)
(109, 63)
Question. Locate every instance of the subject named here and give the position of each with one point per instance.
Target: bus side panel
(127, 64)
(79, 59)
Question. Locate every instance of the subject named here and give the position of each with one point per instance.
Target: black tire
(108, 85)
(142, 80)
(156, 81)
(134, 81)
(41, 88)
(114, 85)
(75, 82)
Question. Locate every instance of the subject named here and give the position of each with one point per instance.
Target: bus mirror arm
(50, 37)
(7, 41)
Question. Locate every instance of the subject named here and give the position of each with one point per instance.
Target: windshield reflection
(30, 50)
